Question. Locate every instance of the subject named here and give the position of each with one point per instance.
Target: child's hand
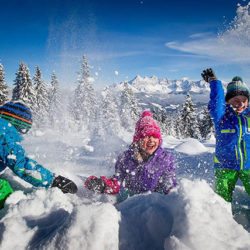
(95, 184)
(102, 184)
(208, 75)
(65, 184)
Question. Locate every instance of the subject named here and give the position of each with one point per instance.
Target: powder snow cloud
(231, 46)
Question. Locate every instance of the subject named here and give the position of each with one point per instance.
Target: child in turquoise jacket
(231, 117)
(16, 118)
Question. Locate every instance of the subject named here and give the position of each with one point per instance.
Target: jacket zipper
(239, 143)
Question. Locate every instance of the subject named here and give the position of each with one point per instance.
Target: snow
(173, 89)
(185, 219)
(165, 86)
(191, 217)
(191, 147)
(91, 79)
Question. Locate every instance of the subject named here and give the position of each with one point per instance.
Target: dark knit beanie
(18, 114)
(237, 87)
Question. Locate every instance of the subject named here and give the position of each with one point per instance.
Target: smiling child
(145, 166)
(231, 117)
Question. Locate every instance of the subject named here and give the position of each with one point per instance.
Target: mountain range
(166, 93)
(165, 86)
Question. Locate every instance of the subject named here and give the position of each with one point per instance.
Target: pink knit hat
(146, 126)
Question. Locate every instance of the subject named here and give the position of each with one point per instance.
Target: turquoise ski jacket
(12, 155)
(232, 131)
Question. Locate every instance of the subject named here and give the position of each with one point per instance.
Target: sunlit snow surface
(190, 217)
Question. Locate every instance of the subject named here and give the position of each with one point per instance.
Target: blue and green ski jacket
(12, 155)
(232, 131)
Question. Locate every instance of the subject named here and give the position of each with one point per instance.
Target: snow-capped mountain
(164, 92)
(156, 85)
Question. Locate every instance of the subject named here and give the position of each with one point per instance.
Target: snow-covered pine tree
(99, 133)
(23, 90)
(54, 101)
(84, 104)
(161, 116)
(188, 120)
(205, 124)
(170, 127)
(110, 113)
(3, 86)
(129, 108)
(178, 124)
(42, 101)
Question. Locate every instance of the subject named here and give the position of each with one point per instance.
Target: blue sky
(124, 38)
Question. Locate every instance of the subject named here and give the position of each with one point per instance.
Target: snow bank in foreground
(190, 217)
(193, 217)
(49, 219)
(208, 222)
(95, 227)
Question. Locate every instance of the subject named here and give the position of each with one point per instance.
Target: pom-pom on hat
(237, 87)
(18, 114)
(147, 126)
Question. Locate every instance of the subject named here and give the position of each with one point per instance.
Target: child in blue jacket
(231, 117)
(16, 118)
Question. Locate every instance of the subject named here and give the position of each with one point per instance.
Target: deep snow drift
(190, 217)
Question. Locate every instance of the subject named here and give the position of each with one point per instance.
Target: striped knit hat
(18, 115)
(237, 87)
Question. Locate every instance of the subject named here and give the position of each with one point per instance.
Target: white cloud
(116, 73)
(232, 46)
(200, 35)
(220, 49)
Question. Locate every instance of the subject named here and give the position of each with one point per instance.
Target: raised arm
(216, 105)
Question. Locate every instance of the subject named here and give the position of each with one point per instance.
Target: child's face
(149, 144)
(239, 103)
